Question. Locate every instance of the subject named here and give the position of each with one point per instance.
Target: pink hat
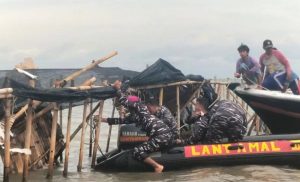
(133, 98)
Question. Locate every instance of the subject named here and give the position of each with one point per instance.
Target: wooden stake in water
(84, 122)
(61, 126)
(97, 133)
(67, 151)
(29, 119)
(178, 106)
(8, 106)
(52, 141)
(110, 127)
(91, 129)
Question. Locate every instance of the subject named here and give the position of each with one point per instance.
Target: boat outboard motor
(130, 136)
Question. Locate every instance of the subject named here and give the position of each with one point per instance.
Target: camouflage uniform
(224, 120)
(165, 114)
(160, 135)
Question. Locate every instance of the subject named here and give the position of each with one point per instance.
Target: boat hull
(279, 111)
(273, 150)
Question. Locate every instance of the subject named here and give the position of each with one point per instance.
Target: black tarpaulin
(60, 95)
(158, 73)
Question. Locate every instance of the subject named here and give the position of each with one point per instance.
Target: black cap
(151, 99)
(243, 47)
(267, 44)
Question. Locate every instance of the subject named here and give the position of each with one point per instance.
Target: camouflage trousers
(154, 144)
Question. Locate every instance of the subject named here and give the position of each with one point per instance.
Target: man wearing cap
(215, 119)
(278, 74)
(248, 67)
(160, 135)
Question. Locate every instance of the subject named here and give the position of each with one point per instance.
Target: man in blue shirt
(247, 67)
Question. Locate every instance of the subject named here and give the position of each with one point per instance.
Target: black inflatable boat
(271, 149)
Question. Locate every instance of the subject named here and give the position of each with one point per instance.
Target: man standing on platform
(277, 70)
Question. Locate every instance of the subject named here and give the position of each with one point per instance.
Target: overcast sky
(196, 36)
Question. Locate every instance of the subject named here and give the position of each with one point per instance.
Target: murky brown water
(247, 173)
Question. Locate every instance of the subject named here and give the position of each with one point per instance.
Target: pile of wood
(34, 128)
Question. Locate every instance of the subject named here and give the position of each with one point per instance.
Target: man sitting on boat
(278, 72)
(160, 135)
(247, 67)
(163, 113)
(215, 119)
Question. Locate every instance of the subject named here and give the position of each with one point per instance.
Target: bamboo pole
(91, 130)
(5, 91)
(71, 137)
(52, 141)
(91, 81)
(27, 140)
(6, 96)
(61, 126)
(84, 122)
(67, 152)
(83, 87)
(88, 67)
(167, 85)
(110, 127)
(6, 168)
(29, 118)
(161, 96)
(88, 117)
(97, 133)
(43, 111)
(178, 106)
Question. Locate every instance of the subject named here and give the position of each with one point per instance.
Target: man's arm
(286, 64)
(256, 67)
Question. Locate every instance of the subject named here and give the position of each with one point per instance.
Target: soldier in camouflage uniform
(215, 120)
(163, 113)
(160, 135)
